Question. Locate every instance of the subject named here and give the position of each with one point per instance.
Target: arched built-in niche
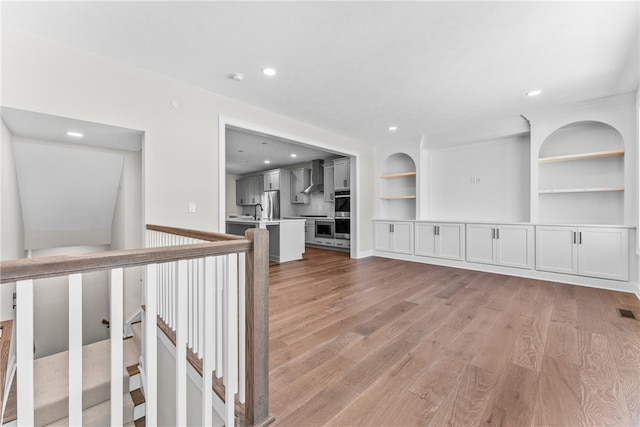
(398, 187)
(581, 175)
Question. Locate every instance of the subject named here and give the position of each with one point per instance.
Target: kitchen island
(286, 236)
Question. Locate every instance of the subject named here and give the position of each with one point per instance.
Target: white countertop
(508, 223)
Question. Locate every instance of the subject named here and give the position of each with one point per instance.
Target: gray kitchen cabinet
(249, 190)
(329, 191)
(341, 174)
(310, 231)
(272, 180)
(299, 181)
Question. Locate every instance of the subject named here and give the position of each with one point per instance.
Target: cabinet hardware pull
(497, 233)
(391, 228)
(493, 233)
(580, 237)
(574, 237)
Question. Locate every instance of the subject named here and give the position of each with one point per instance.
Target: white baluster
(242, 327)
(209, 344)
(181, 343)
(75, 349)
(151, 352)
(220, 280)
(24, 351)
(231, 338)
(200, 299)
(116, 329)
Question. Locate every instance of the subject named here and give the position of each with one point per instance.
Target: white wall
(12, 231)
(127, 227)
(181, 144)
(502, 192)
(51, 302)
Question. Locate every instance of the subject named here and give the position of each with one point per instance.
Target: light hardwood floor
(380, 342)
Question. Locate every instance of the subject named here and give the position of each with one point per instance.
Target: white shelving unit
(581, 175)
(398, 187)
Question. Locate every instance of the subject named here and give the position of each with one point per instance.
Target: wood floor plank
(514, 399)
(529, 346)
(562, 343)
(625, 351)
(321, 408)
(558, 394)
(468, 399)
(602, 397)
(498, 344)
(288, 372)
(435, 383)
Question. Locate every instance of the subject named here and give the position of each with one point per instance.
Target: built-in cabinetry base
(596, 256)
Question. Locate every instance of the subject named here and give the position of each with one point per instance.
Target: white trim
(612, 285)
(150, 372)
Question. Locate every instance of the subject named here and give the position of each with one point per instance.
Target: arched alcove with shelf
(581, 175)
(398, 187)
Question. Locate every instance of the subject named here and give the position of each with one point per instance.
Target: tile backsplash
(317, 206)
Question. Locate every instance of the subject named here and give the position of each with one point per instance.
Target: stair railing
(226, 261)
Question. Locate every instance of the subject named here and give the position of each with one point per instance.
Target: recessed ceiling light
(75, 134)
(240, 151)
(534, 92)
(263, 143)
(269, 71)
(267, 161)
(237, 77)
(393, 128)
(294, 155)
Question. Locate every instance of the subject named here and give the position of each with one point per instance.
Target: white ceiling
(357, 67)
(247, 151)
(29, 124)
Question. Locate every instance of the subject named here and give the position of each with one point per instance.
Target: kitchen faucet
(255, 210)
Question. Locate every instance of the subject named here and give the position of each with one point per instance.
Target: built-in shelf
(582, 156)
(398, 175)
(581, 190)
(397, 197)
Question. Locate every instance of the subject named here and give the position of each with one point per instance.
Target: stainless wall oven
(343, 228)
(342, 204)
(325, 229)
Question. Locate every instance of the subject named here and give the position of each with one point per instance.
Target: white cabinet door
(556, 249)
(480, 246)
(309, 231)
(402, 237)
(299, 181)
(254, 194)
(451, 241)
(425, 239)
(514, 246)
(272, 180)
(341, 174)
(603, 252)
(241, 192)
(329, 192)
(392, 236)
(382, 237)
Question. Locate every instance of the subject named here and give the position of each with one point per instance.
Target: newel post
(257, 324)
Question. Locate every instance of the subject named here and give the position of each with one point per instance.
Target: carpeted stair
(52, 385)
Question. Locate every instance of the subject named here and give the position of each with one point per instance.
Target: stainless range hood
(317, 177)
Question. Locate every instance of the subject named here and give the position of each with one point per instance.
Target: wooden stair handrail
(61, 265)
(195, 234)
